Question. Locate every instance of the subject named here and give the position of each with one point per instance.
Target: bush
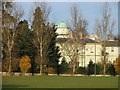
(64, 67)
(91, 68)
(81, 70)
(110, 69)
(97, 69)
(15, 65)
(117, 65)
(50, 71)
(25, 64)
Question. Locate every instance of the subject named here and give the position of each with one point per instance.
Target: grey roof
(83, 40)
(113, 43)
(88, 40)
(61, 40)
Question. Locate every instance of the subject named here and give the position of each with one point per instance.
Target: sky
(60, 11)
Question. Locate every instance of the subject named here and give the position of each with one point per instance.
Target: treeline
(37, 42)
(91, 69)
(32, 47)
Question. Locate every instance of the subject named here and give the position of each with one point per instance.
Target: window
(91, 50)
(112, 49)
(86, 49)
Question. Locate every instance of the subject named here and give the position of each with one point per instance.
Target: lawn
(59, 82)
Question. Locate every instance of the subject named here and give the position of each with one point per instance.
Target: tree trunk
(104, 59)
(10, 62)
(41, 62)
(73, 70)
(104, 70)
(41, 69)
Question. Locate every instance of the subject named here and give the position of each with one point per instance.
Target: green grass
(59, 82)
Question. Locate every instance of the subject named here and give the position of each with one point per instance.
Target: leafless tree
(70, 50)
(72, 47)
(78, 23)
(104, 29)
(10, 17)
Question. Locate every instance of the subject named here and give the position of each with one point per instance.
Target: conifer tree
(24, 42)
(45, 41)
(53, 50)
(40, 40)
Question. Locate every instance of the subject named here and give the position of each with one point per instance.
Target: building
(62, 30)
(89, 48)
(113, 50)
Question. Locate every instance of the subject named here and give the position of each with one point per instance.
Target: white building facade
(90, 50)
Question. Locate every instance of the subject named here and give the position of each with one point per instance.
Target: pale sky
(61, 12)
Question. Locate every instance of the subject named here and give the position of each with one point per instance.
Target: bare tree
(70, 50)
(72, 46)
(10, 16)
(78, 23)
(104, 29)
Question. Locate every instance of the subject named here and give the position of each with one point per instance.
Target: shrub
(15, 65)
(50, 71)
(64, 67)
(117, 65)
(81, 70)
(91, 68)
(111, 70)
(25, 64)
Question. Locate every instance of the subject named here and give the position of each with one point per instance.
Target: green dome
(62, 24)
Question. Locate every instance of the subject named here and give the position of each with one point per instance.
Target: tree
(64, 66)
(53, 50)
(78, 23)
(117, 37)
(24, 43)
(90, 67)
(10, 17)
(72, 46)
(81, 70)
(70, 50)
(46, 49)
(111, 69)
(78, 26)
(38, 27)
(117, 65)
(25, 64)
(45, 9)
(104, 30)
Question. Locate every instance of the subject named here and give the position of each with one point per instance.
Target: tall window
(112, 49)
(91, 50)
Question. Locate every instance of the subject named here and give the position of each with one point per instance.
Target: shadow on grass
(51, 89)
(23, 87)
(14, 86)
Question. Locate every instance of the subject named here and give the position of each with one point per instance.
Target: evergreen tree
(45, 41)
(40, 37)
(64, 66)
(53, 50)
(24, 43)
(90, 67)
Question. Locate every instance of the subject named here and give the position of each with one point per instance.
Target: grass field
(59, 82)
